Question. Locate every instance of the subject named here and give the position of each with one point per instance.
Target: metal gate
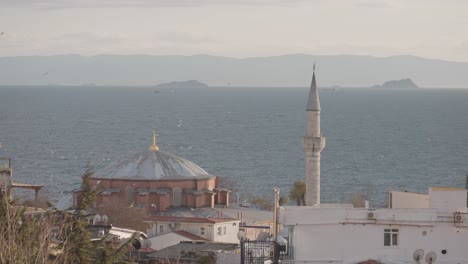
(259, 252)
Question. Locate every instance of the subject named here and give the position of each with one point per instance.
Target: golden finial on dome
(153, 146)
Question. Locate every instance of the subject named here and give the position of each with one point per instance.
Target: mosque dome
(153, 165)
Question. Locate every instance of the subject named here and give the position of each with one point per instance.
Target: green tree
(54, 236)
(262, 202)
(297, 192)
(24, 238)
(77, 243)
(78, 246)
(206, 260)
(283, 200)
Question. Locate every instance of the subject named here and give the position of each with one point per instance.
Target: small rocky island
(183, 84)
(398, 84)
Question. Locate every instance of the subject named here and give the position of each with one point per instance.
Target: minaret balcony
(313, 144)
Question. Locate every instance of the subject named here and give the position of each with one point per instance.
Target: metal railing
(260, 252)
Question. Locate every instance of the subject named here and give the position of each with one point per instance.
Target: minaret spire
(313, 143)
(153, 146)
(314, 103)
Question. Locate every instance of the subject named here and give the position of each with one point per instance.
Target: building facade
(436, 231)
(222, 230)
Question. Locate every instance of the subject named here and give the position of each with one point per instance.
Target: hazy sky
(238, 28)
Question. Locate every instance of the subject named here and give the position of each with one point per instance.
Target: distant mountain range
(183, 84)
(282, 71)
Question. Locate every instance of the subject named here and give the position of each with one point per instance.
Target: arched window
(130, 191)
(176, 197)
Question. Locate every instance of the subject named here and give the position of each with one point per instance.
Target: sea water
(376, 138)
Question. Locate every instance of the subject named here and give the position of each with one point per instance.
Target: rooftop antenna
(466, 187)
(466, 182)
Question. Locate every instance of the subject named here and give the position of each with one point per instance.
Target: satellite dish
(431, 257)
(136, 244)
(96, 219)
(241, 235)
(418, 254)
(281, 240)
(263, 236)
(105, 219)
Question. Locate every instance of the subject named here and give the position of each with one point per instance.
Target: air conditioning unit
(371, 215)
(458, 217)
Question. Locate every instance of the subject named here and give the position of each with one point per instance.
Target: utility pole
(466, 187)
(275, 225)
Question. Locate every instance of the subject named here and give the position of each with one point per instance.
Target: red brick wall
(162, 201)
(222, 197)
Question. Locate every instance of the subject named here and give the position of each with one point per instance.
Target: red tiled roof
(165, 218)
(189, 235)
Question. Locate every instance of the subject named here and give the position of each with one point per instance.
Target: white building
(337, 234)
(213, 229)
(416, 228)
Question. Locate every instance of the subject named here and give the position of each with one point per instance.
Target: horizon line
(234, 57)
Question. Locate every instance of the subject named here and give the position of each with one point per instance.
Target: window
(202, 230)
(161, 228)
(224, 230)
(176, 195)
(219, 231)
(130, 191)
(390, 237)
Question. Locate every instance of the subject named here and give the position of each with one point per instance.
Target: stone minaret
(313, 143)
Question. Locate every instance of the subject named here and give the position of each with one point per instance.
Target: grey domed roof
(153, 165)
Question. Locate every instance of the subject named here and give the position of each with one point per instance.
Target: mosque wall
(154, 195)
(197, 184)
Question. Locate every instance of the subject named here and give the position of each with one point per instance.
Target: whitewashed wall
(448, 199)
(210, 233)
(409, 200)
(164, 241)
(232, 228)
(347, 236)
